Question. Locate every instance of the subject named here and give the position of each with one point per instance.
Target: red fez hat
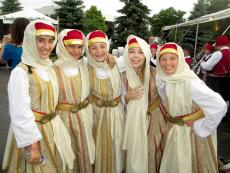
(209, 47)
(168, 48)
(44, 29)
(73, 37)
(97, 36)
(133, 43)
(222, 40)
(153, 46)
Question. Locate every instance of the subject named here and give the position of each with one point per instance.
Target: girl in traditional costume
(105, 83)
(145, 123)
(193, 111)
(39, 141)
(74, 103)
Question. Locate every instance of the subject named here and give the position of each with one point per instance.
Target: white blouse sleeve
(212, 104)
(23, 122)
(212, 61)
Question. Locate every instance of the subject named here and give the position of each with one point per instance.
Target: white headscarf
(64, 58)
(67, 61)
(179, 100)
(92, 61)
(135, 136)
(30, 54)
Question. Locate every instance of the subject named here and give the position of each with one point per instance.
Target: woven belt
(73, 107)
(181, 120)
(42, 117)
(154, 105)
(106, 103)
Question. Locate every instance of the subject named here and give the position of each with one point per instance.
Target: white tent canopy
(203, 19)
(27, 13)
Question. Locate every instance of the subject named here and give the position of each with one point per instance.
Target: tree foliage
(133, 20)
(10, 6)
(203, 7)
(217, 5)
(166, 17)
(70, 13)
(199, 9)
(93, 20)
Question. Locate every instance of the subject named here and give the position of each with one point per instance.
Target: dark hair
(17, 30)
(187, 46)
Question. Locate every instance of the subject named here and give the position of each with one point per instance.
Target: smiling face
(44, 45)
(98, 51)
(75, 50)
(136, 58)
(168, 63)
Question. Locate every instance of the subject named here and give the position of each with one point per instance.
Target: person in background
(204, 55)
(218, 68)
(120, 61)
(11, 49)
(151, 39)
(115, 53)
(74, 103)
(105, 85)
(193, 112)
(153, 48)
(145, 124)
(38, 140)
(187, 49)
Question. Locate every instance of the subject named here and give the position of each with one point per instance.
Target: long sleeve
(22, 119)
(212, 61)
(212, 104)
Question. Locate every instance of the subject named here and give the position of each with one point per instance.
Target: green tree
(70, 13)
(217, 5)
(203, 7)
(93, 20)
(169, 16)
(199, 9)
(134, 20)
(10, 6)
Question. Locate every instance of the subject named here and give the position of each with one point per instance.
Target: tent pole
(58, 24)
(195, 46)
(175, 35)
(226, 30)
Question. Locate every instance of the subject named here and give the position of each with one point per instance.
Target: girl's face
(168, 63)
(44, 45)
(207, 52)
(153, 51)
(98, 51)
(75, 50)
(136, 58)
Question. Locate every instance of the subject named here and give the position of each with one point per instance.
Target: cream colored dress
(108, 122)
(156, 123)
(41, 99)
(78, 124)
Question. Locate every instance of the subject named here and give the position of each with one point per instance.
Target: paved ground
(4, 117)
(223, 130)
